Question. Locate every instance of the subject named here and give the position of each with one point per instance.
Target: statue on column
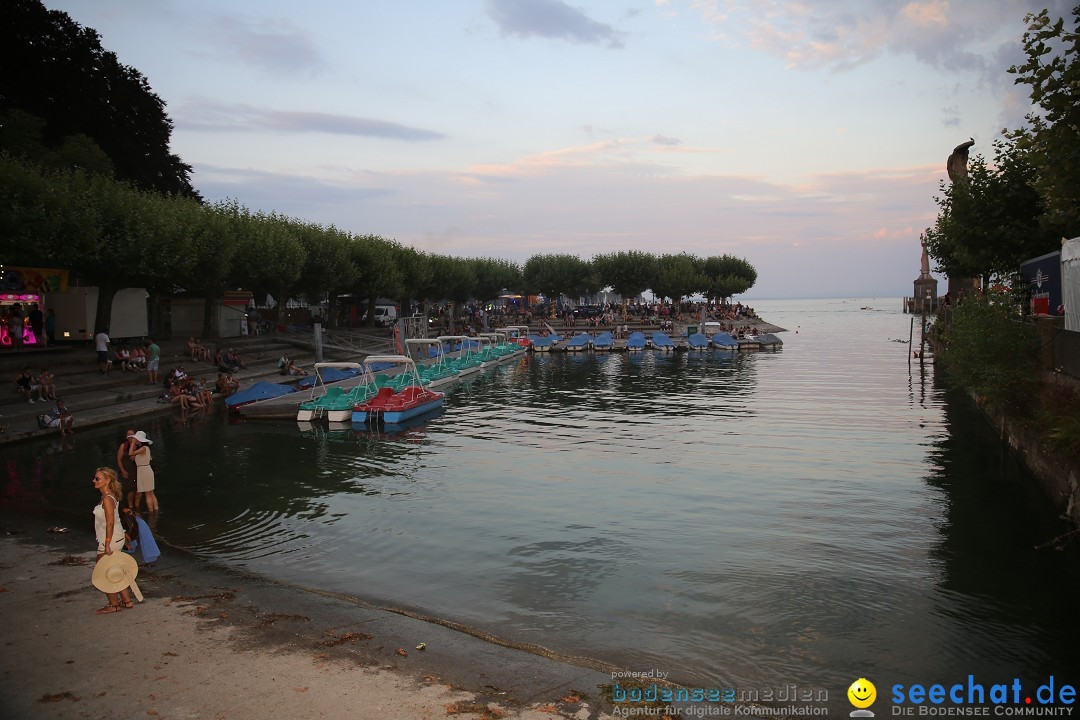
(958, 173)
(957, 163)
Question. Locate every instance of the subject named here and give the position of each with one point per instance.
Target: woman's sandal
(128, 604)
(110, 608)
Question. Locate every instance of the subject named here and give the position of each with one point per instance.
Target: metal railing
(917, 306)
(351, 342)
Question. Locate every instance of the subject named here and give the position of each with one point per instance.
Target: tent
(1070, 282)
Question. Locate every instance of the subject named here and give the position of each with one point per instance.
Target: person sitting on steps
(27, 384)
(47, 381)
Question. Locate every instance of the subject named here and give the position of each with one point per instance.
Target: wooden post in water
(318, 343)
(922, 338)
(910, 336)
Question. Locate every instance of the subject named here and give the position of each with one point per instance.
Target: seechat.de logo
(862, 695)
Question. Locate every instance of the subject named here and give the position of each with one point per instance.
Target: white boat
(335, 402)
(435, 374)
(579, 343)
(520, 335)
(465, 362)
(723, 341)
(501, 345)
(486, 353)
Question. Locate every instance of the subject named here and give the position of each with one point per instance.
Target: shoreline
(216, 642)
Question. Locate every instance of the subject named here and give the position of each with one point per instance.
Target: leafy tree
(141, 242)
(1052, 138)
(46, 218)
(22, 135)
(80, 152)
(416, 272)
(269, 255)
(328, 266)
(57, 70)
(211, 252)
(376, 271)
(453, 278)
(556, 274)
(988, 225)
(726, 275)
(493, 276)
(676, 277)
(629, 272)
(106, 232)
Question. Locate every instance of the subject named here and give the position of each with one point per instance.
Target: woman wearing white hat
(144, 473)
(109, 532)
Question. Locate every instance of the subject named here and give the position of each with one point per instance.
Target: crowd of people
(28, 324)
(228, 360)
(43, 384)
(41, 388)
(186, 391)
(180, 388)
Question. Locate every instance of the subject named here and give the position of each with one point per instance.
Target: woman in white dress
(109, 531)
(144, 473)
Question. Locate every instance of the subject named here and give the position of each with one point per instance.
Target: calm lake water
(807, 516)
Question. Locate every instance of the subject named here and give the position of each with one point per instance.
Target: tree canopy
(1020, 205)
(989, 224)
(84, 102)
(1052, 138)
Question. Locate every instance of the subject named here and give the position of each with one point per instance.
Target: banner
(32, 280)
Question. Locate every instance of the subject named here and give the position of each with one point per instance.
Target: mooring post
(922, 339)
(910, 337)
(318, 343)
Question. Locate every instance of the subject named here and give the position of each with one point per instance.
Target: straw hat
(141, 437)
(115, 572)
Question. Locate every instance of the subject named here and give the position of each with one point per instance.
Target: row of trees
(1020, 205)
(113, 235)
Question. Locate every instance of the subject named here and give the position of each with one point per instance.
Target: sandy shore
(212, 643)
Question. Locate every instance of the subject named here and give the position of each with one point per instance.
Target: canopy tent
(1070, 282)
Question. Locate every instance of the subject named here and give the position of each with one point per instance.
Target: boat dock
(680, 335)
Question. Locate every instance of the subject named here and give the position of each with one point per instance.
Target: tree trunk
(283, 295)
(211, 325)
(155, 316)
(103, 316)
(331, 309)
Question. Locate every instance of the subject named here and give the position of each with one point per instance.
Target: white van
(385, 315)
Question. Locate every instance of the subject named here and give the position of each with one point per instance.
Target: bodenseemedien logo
(862, 695)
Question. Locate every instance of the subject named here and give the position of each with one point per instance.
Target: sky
(807, 137)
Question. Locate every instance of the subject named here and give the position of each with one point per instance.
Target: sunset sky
(808, 137)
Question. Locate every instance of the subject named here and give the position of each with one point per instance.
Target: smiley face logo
(862, 693)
